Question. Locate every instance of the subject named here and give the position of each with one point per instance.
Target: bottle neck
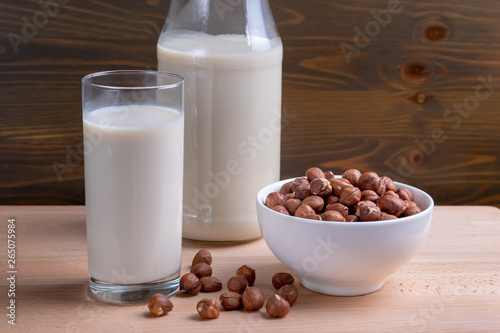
(251, 18)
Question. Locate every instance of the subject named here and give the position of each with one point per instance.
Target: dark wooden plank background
(376, 109)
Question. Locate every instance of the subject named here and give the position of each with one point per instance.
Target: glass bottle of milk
(230, 55)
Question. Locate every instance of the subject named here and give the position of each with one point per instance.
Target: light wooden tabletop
(452, 285)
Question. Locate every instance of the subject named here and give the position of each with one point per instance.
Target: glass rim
(86, 80)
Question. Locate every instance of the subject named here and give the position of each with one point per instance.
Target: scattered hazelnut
(237, 283)
(275, 199)
(338, 185)
(369, 181)
(332, 215)
(160, 305)
(210, 283)
(201, 269)
(392, 205)
(369, 195)
(202, 255)
(313, 173)
(231, 300)
(289, 292)
(281, 279)
(248, 273)
(253, 298)
(277, 306)
(292, 204)
(321, 187)
(286, 188)
(304, 210)
(342, 209)
(190, 284)
(350, 196)
(352, 175)
(405, 194)
(315, 202)
(281, 209)
(208, 308)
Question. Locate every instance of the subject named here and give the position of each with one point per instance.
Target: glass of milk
(230, 54)
(133, 126)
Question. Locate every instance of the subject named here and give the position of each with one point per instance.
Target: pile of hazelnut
(353, 198)
(241, 291)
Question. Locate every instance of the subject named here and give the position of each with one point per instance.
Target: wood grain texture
(451, 285)
(413, 68)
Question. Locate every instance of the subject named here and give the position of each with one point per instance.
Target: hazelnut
(190, 284)
(281, 209)
(410, 203)
(289, 292)
(329, 175)
(352, 175)
(389, 183)
(304, 210)
(289, 196)
(412, 210)
(384, 217)
(160, 305)
(405, 194)
(274, 199)
(299, 182)
(208, 308)
(350, 196)
(321, 187)
(302, 192)
(313, 173)
(380, 187)
(361, 205)
(331, 200)
(202, 255)
(342, 209)
(367, 211)
(237, 283)
(277, 306)
(286, 188)
(313, 217)
(201, 269)
(231, 300)
(292, 204)
(369, 181)
(253, 298)
(210, 283)
(315, 202)
(351, 218)
(248, 273)
(332, 215)
(281, 279)
(392, 205)
(338, 185)
(369, 195)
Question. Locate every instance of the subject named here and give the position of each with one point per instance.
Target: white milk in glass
(133, 192)
(232, 138)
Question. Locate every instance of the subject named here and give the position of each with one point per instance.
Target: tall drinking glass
(133, 125)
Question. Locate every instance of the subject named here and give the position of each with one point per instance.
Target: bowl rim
(273, 187)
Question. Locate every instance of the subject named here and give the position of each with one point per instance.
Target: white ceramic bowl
(341, 258)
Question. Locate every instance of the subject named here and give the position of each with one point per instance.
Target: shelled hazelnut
(160, 305)
(357, 197)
